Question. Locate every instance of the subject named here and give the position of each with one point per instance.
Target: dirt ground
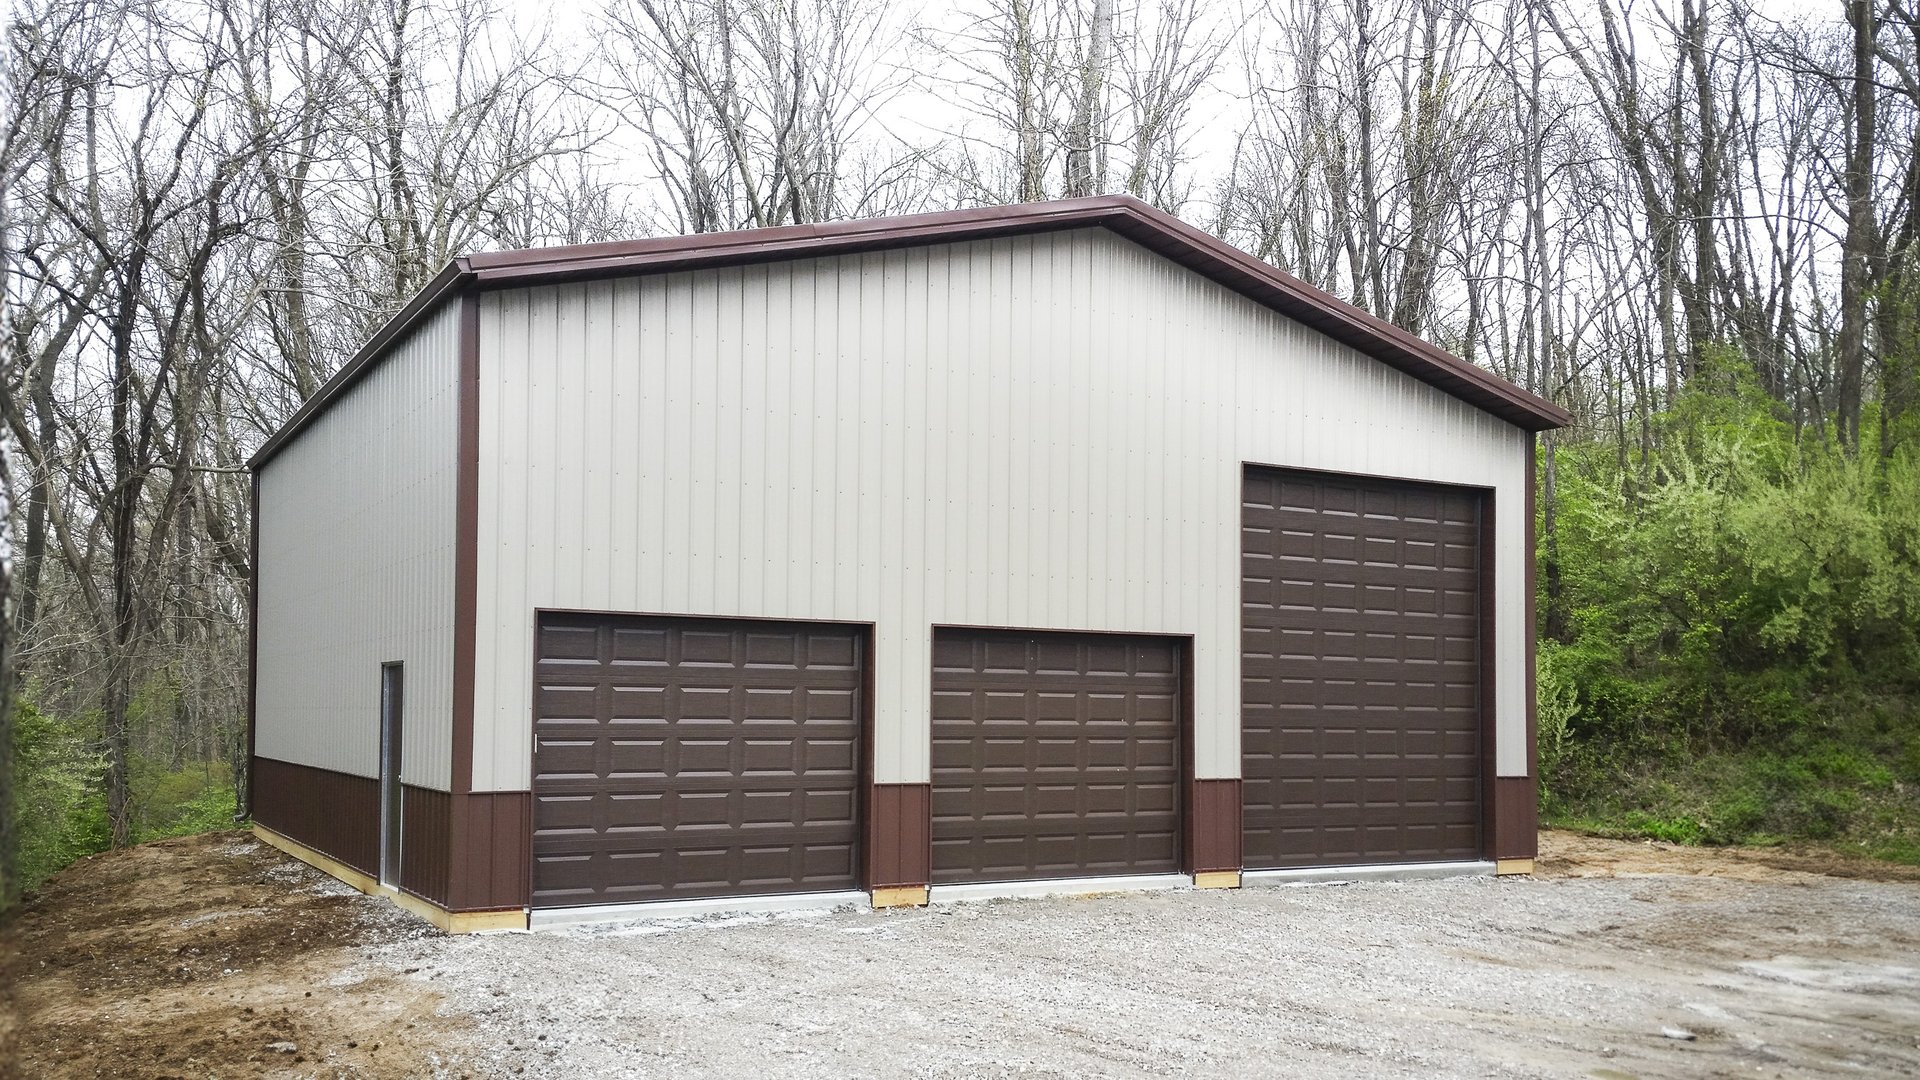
(209, 956)
(218, 956)
(1571, 855)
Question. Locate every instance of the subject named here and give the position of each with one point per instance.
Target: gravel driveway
(1767, 974)
(219, 956)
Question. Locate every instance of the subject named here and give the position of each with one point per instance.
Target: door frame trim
(1487, 662)
(1185, 762)
(393, 746)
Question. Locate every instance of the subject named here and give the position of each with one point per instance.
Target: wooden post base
(1217, 879)
(1506, 867)
(900, 896)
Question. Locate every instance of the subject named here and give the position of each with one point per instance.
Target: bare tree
(1859, 246)
(751, 112)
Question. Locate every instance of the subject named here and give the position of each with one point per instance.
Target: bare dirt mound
(208, 955)
(1569, 854)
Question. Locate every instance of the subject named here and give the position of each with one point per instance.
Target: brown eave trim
(665, 253)
(1154, 229)
(417, 309)
(1529, 584)
(1220, 261)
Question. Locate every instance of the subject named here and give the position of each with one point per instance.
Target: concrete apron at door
(551, 918)
(470, 922)
(1381, 872)
(557, 918)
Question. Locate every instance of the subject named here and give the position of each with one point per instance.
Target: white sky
(921, 116)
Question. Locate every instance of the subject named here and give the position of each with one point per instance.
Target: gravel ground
(1789, 974)
(219, 956)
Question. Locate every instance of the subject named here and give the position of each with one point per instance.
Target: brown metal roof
(1151, 228)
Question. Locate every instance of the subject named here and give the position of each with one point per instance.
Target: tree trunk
(1857, 246)
(9, 838)
(1557, 625)
(1085, 176)
(122, 517)
(1026, 104)
(1701, 201)
(34, 554)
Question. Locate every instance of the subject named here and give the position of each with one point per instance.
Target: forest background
(1691, 222)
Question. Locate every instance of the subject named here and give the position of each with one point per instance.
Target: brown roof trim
(1262, 282)
(446, 281)
(1127, 216)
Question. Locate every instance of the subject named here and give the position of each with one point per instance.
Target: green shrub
(1738, 816)
(1907, 763)
(60, 810)
(1742, 642)
(210, 807)
(1676, 830)
(1559, 703)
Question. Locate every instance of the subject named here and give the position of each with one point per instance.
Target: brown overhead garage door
(1360, 670)
(1054, 755)
(685, 758)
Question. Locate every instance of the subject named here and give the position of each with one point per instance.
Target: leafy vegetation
(1738, 649)
(60, 802)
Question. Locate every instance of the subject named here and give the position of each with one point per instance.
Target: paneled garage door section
(1360, 671)
(685, 758)
(1054, 755)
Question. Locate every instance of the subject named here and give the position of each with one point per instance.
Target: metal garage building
(968, 550)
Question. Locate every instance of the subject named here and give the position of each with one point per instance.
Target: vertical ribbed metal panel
(356, 568)
(1039, 432)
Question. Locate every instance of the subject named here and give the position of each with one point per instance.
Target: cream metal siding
(1039, 432)
(356, 567)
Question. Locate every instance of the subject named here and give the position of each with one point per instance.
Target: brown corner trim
(1512, 810)
(466, 540)
(1520, 831)
(1533, 634)
(470, 874)
(253, 632)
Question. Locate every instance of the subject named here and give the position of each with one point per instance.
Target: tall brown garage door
(684, 758)
(1360, 671)
(1054, 755)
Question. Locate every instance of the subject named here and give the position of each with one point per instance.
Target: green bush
(1742, 643)
(1677, 830)
(197, 801)
(60, 809)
